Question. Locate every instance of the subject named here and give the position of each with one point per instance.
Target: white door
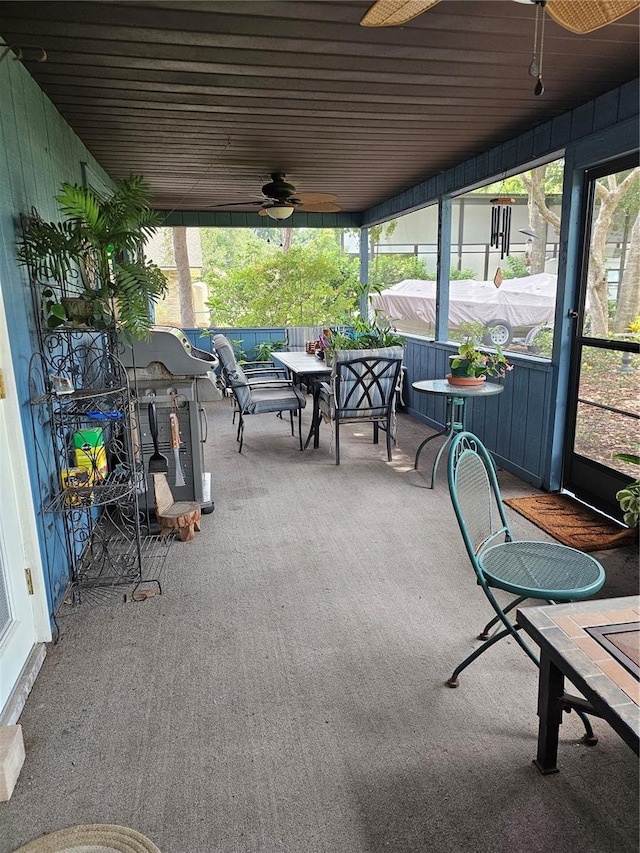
(19, 611)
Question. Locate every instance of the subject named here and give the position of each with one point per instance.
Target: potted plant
(471, 365)
(629, 497)
(92, 261)
(364, 334)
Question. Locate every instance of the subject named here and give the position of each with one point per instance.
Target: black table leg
(314, 430)
(550, 693)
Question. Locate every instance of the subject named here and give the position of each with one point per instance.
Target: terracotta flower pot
(463, 381)
(459, 375)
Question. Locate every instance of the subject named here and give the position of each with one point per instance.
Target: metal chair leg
(485, 634)
(240, 434)
(453, 680)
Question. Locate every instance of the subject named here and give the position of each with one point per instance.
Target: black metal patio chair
(362, 388)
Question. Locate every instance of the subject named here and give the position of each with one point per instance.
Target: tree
(609, 195)
(309, 284)
(185, 291)
(628, 307)
(539, 215)
(390, 269)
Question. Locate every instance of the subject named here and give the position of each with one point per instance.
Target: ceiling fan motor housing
(278, 188)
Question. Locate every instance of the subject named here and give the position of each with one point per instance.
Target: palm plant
(101, 242)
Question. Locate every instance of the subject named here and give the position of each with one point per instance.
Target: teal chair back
(476, 499)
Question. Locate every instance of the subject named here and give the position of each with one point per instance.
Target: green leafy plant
(474, 362)
(238, 349)
(364, 334)
(629, 497)
(264, 349)
(99, 246)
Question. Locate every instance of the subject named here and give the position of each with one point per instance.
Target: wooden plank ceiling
(205, 99)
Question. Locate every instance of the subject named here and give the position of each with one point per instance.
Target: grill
(167, 370)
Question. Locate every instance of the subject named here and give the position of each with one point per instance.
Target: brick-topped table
(596, 645)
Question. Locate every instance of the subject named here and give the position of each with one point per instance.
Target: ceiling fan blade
(391, 13)
(312, 198)
(585, 16)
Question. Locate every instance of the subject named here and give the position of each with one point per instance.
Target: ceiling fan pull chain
(539, 89)
(534, 69)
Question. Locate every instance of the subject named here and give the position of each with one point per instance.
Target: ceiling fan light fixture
(280, 211)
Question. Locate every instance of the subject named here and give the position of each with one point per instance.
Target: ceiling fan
(280, 199)
(579, 16)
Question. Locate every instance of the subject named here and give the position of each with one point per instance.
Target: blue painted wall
(39, 153)
(249, 338)
(513, 425)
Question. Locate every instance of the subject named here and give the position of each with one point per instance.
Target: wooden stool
(183, 516)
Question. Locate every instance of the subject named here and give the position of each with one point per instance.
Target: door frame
(24, 522)
(576, 469)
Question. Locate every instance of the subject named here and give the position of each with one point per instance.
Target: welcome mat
(92, 838)
(573, 523)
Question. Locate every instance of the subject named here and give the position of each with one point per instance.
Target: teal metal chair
(545, 571)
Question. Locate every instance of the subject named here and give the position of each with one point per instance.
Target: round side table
(456, 396)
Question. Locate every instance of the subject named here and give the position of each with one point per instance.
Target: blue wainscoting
(513, 425)
(250, 338)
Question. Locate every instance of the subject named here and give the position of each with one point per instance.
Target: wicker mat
(92, 838)
(573, 523)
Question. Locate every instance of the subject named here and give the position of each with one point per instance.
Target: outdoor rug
(92, 838)
(573, 523)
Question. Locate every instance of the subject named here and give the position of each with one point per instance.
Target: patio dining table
(309, 368)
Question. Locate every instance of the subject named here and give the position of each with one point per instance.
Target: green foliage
(54, 311)
(542, 343)
(264, 349)
(553, 178)
(387, 270)
(364, 335)
(238, 349)
(629, 500)
(312, 283)
(103, 241)
(631, 458)
(473, 362)
(472, 330)
(224, 249)
(516, 268)
(629, 497)
(459, 275)
(133, 286)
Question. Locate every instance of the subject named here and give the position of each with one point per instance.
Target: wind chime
(501, 223)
